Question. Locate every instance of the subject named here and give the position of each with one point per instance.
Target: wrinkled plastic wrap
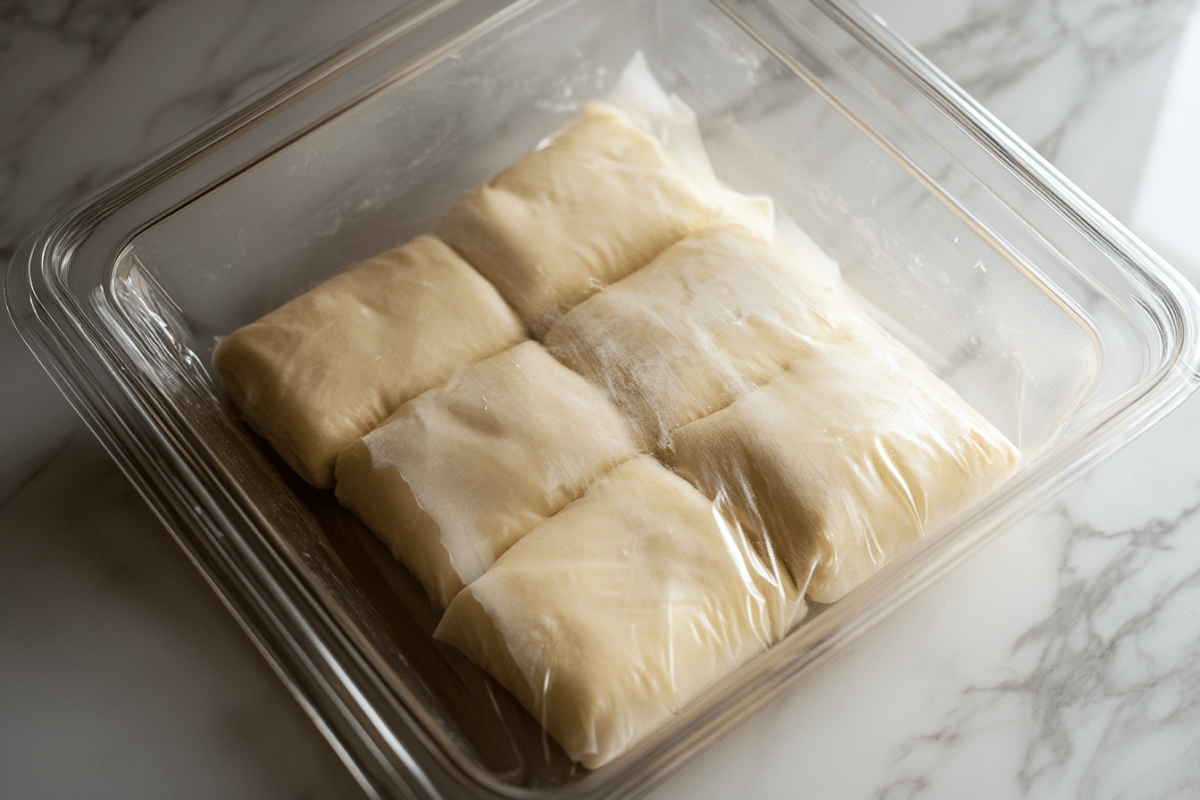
(610, 616)
(711, 318)
(621, 512)
(847, 460)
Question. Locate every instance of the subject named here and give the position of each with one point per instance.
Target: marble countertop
(1061, 661)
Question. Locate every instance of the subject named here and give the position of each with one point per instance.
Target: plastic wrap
(713, 317)
(610, 616)
(322, 370)
(847, 460)
(461, 472)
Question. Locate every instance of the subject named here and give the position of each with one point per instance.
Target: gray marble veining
(1079, 80)
(90, 89)
(1096, 684)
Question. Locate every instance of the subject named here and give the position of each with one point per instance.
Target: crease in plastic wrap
(623, 510)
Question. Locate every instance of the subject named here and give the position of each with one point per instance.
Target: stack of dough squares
(621, 511)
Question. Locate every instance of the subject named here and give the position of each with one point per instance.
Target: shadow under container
(1016, 289)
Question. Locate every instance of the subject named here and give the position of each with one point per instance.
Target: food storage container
(1032, 302)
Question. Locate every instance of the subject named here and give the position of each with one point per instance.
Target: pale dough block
(320, 371)
(711, 318)
(612, 615)
(460, 473)
(852, 457)
(600, 200)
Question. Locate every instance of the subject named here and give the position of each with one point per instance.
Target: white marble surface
(1059, 662)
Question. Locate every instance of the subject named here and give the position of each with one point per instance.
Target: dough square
(323, 369)
(612, 615)
(853, 456)
(711, 318)
(461, 472)
(597, 202)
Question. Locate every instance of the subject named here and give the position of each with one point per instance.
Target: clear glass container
(1040, 309)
